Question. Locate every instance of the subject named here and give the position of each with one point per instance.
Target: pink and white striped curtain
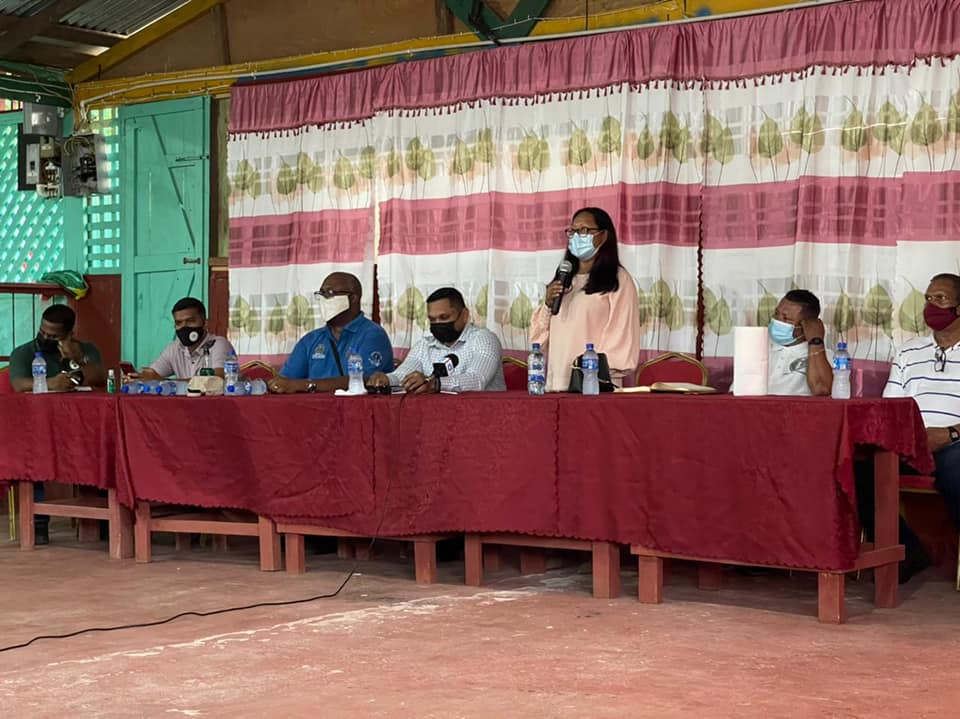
(739, 158)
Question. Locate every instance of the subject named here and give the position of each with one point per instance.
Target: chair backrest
(672, 367)
(255, 369)
(515, 373)
(5, 386)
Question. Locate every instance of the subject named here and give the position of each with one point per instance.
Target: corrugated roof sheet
(24, 8)
(122, 17)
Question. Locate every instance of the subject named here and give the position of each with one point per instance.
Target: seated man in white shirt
(192, 349)
(478, 352)
(799, 364)
(928, 369)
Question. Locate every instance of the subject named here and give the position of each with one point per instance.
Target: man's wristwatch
(954, 434)
(311, 387)
(816, 341)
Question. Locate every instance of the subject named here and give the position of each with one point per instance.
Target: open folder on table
(675, 387)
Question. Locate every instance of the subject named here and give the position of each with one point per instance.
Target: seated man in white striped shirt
(478, 365)
(928, 369)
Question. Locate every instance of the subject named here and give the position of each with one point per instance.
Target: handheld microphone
(563, 274)
(446, 367)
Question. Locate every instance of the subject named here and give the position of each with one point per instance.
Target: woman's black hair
(603, 274)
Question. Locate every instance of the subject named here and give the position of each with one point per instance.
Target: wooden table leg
(296, 553)
(832, 600)
(533, 560)
(650, 581)
(606, 570)
(362, 549)
(345, 548)
(886, 483)
(709, 576)
(425, 561)
(121, 527)
(270, 552)
(473, 560)
(141, 533)
(27, 531)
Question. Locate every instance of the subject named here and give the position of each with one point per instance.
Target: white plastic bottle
(536, 371)
(39, 369)
(355, 373)
(590, 364)
(841, 372)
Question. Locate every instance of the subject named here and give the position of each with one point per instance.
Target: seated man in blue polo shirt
(318, 362)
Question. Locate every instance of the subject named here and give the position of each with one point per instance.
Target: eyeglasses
(322, 294)
(939, 300)
(940, 360)
(571, 231)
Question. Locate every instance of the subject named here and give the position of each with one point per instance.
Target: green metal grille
(31, 228)
(101, 245)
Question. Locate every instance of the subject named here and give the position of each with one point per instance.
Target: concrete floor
(535, 646)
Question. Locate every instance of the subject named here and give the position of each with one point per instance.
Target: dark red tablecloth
(764, 480)
(70, 438)
(758, 480)
(293, 456)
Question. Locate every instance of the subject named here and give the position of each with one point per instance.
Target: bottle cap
(38, 354)
(536, 346)
(841, 345)
(589, 346)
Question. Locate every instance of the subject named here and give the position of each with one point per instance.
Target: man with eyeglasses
(318, 362)
(928, 369)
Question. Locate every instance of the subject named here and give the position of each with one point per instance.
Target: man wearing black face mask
(928, 369)
(478, 352)
(70, 363)
(187, 354)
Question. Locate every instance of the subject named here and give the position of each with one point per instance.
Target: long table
(760, 481)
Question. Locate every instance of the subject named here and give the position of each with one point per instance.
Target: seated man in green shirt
(70, 363)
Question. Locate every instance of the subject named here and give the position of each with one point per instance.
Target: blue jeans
(948, 479)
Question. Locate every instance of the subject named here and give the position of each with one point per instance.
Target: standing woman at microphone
(598, 304)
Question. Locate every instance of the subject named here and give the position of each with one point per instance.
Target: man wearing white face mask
(318, 362)
(799, 363)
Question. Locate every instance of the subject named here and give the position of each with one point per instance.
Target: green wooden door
(165, 193)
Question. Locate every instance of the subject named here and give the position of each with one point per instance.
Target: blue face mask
(781, 332)
(581, 246)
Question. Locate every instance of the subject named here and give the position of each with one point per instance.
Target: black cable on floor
(211, 613)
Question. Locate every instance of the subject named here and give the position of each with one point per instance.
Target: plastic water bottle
(111, 381)
(536, 371)
(166, 388)
(258, 387)
(231, 374)
(355, 372)
(841, 372)
(39, 368)
(590, 364)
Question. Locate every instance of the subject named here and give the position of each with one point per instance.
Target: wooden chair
(255, 369)
(923, 484)
(515, 373)
(672, 367)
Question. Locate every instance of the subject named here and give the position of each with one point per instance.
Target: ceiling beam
(82, 36)
(153, 32)
(28, 27)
